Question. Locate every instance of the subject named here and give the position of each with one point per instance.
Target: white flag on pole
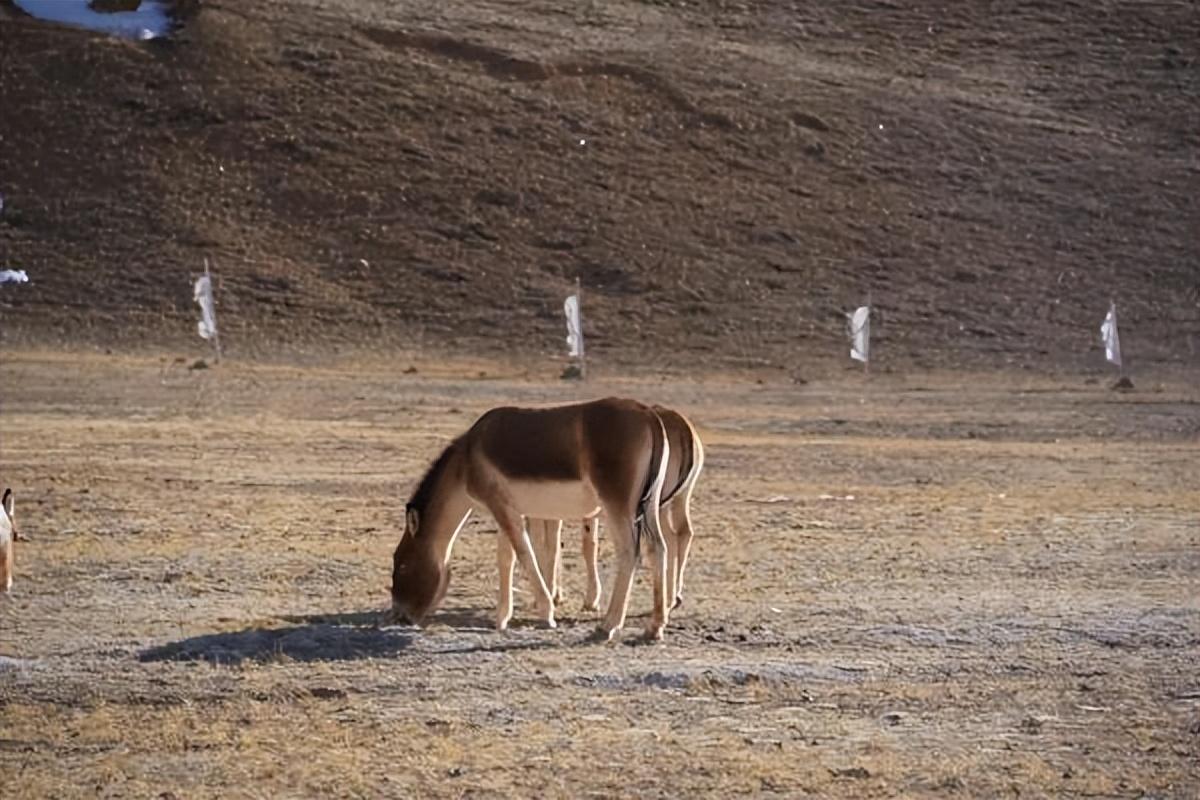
(860, 333)
(207, 326)
(1108, 335)
(13, 276)
(574, 326)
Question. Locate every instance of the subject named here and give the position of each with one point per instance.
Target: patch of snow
(151, 20)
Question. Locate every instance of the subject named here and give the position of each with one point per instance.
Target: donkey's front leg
(505, 559)
(511, 527)
(555, 535)
(545, 536)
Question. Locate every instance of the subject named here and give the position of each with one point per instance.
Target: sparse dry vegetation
(924, 587)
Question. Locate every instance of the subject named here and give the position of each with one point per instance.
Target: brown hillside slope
(724, 177)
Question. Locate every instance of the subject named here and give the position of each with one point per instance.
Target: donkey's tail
(656, 475)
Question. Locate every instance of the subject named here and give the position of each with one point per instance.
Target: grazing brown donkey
(685, 462)
(605, 456)
(8, 535)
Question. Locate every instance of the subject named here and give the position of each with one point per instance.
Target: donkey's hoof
(678, 602)
(654, 632)
(592, 606)
(602, 635)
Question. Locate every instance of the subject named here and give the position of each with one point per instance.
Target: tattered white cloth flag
(1108, 335)
(574, 326)
(207, 326)
(13, 276)
(860, 333)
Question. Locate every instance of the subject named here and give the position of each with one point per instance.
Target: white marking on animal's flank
(554, 499)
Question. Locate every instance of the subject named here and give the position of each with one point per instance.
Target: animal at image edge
(8, 537)
(576, 461)
(685, 462)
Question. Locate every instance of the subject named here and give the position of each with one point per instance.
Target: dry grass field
(921, 586)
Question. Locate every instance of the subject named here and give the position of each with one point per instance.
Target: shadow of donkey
(321, 637)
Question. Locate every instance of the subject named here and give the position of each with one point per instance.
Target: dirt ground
(928, 586)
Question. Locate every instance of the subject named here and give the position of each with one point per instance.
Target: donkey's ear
(412, 520)
(7, 502)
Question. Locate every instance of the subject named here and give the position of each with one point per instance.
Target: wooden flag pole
(1122, 370)
(582, 355)
(867, 360)
(216, 328)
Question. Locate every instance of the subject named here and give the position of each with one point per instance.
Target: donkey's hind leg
(681, 517)
(620, 528)
(668, 520)
(661, 564)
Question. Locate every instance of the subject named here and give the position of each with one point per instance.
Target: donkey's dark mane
(424, 491)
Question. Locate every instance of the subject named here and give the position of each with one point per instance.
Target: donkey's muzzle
(394, 616)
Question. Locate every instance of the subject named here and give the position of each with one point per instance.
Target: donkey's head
(419, 577)
(8, 534)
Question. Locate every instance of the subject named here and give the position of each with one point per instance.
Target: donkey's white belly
(554, 499)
